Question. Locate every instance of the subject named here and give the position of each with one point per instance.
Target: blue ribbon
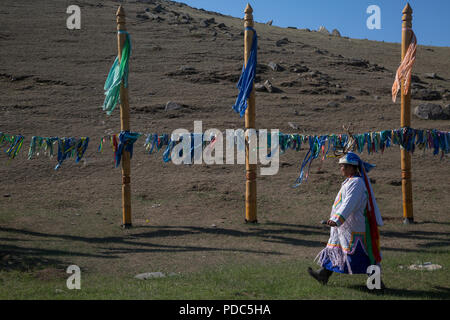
(245, 84)
(126, 142)
(315, 145)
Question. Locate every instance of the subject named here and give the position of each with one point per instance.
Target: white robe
(348, 212)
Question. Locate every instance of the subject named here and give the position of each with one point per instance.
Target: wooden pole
(124, 126)
(406, 122)
(250, 185)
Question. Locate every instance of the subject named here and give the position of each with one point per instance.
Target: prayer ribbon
(117, 74)
(245, 83)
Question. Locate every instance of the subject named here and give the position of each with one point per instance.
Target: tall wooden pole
(124, 126)
(250, 184)
(406, 122)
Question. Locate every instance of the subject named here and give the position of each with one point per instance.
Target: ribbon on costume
(245, 83)
(117, 74)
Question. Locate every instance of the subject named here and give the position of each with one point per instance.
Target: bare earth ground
(189, 217)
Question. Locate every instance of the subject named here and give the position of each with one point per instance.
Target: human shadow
(265, 234)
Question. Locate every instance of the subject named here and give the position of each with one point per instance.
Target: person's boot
(322, 275)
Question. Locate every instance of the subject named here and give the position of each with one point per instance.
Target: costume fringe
(336, 255)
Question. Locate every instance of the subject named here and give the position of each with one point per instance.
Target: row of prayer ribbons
(316, 146)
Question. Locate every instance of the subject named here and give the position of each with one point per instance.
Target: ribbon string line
(318, 147)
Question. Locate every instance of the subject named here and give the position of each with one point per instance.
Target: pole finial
(248, 8)
(407, 16)
(120, 18)
(120, 11)
(407, 9)
(248, 18)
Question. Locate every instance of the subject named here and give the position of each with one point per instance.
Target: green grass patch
(283, 280)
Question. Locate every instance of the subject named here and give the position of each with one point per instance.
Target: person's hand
(331, 223)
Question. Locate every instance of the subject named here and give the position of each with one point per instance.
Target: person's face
(347, 170)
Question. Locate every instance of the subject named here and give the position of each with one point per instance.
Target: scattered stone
(349, 98)
(184, 19)
(318, 51)
(395, 183)
(446, 110)
(150, 275)
(155, 48)
(332, 104)
(293, 125)
(292, 27)
(270, 88)
(425, 94)
(335, 33)
(260, 87)
(275, 67)
(292, 83)
(207, 22)
(172, 106)
(415, 85)
(268, 85)
(222, 26)
(430, 111)
(376, 97)
(313, 74)
(158, 9)
(425, 266)
(188, 70)
(203, 23)
(59, 291)
(433, 75)
(6, 195)
(416, 79)
(284, 97)
(324, 30)
(282, 42)
(364, 93)
(183, 71)
(298, 68)
(229, 34)
(148, 15)
(269, 23)
(358, 63)
(142, 16)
